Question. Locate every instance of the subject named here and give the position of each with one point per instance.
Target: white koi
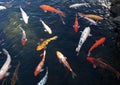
(24, 38)
(78, 5)
(84, 35)
(6, 66)
(2, 7)
(44, 79)
(24, 15)
(47, 28)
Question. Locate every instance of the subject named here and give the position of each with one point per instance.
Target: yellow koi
(92, 16)
(44, 43)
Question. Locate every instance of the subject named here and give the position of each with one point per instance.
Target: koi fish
(92, 16)
(76, 25)
(15, 77)
(44, 43)
(88, 19)
(83, 38)
(24, 38)
(63, 60)
(44, 79)
(51, 9)
(4, 70)
(2, 7)
(78, 5)
(40, 65)
(96, 44)
(24, 15)
(98, 62)
(47, 28)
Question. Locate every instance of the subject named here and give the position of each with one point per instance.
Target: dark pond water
(10, 39)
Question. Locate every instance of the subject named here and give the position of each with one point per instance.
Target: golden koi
(92, 16)
(44, 43)
(64, 61)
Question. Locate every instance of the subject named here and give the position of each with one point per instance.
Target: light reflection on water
(66, 43)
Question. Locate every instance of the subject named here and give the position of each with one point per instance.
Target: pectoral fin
(45, 30)
(45, 10)
(7, 74)
(90, 35)
(94, 66)
(9, 66)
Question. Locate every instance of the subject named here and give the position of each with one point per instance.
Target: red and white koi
(47, 28)
(62, 59)
(4, 70)
(84, 35)
(99, 63)
(24, 38)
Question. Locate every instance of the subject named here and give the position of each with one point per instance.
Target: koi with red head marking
(99, 63)
(23, 39)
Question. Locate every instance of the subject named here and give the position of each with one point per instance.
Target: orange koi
(96, 44)
(98, 62)
(44, 43)
(40, 65)
(64, 61)
(76, 25)
(51, 9)
(92, 16)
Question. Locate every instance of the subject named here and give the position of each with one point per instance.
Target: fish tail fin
(61, 13)
(88, 53)
(73, 74)
(21, 28)
(80, 14)
(117, 74)
(5, 51)
(54, 38)
(41, 20)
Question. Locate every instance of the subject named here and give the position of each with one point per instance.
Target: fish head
(39, 47)
(26, 19)
(36, 73)
(42, 6)
(90, 59)
(2, 74)
(58, 53)
(103, 39)
(23, 41)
